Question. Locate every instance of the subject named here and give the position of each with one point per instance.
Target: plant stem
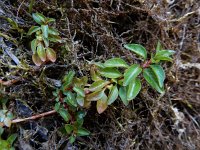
(34, 117)
(9, 82)
(146, 64)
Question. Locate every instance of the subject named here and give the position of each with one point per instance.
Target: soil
(96, 30)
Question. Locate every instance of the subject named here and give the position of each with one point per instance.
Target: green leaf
(56, 92)
(41, 52)
(33, 46)
(123, 95)
(12, 138)
(69, 77)
(1, 130)
(10, 115)
(95, 95)
(79, 91)
(133, 89)
(113, 94)
(54, 38)
(30, 8)
(45, 30)
(110, 72)
(69, 128)
(150, 77)
(57, 106)
(3, 100)
(157, 59)
(7, 121)
(33, 29)
(13, 23)
(72, 139)
(84, 80)
(80, 114)
(78, 123)
(39, 18)
(70, 99)
(64, 114)
(120, 82)
(138, 49)
(158, 47)
(96, 86)
(131, 73)
(80, 100)
(46, 42)
(80, 82)
(5, 145)
(115, 62)
(82, 132)
(164, 55)
(94, 75)
(160, 74)
(48, 20)
(98, 64)
(53, 31)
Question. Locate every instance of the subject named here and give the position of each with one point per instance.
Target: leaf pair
(80, 98)
(105, 100)
(131, 73)
(138, 49)
(42, 54)
(155, 76)
(109, 68)
(5, 118)
(128, 93)
(7, 144)
(163, 55)
(44, 34)
(98, 94)
(47, 32)
(80, 132)
(41, 19)
(64, 114)
(75, 128)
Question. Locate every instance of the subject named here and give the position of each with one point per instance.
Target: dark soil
(96, 30)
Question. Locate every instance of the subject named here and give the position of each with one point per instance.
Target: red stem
(34, 117)
(146, 64)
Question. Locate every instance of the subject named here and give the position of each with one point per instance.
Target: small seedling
(5, 120)
(44, 35)
(112, 79)
(7, 144)
(5, 115)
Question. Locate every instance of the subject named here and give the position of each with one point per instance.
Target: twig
(20, 7)
(12, 56)
(9, 82)
(183, 17)
(34, 117)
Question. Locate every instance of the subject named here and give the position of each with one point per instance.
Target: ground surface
(96, 30)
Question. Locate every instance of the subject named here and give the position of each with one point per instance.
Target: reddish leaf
(41, 52)
(95, 96)
(51, 54)
(37, 61)
(87, 104)
(102, 104)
